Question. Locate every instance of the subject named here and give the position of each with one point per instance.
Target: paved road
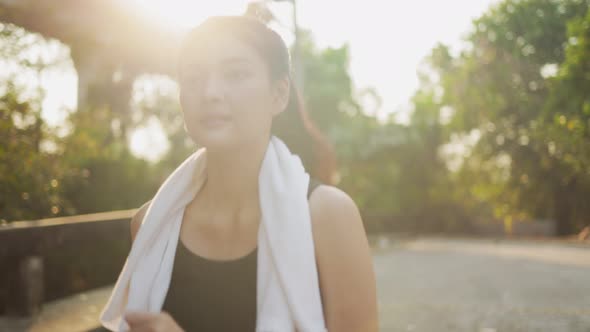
(467, 285)
(438, 284)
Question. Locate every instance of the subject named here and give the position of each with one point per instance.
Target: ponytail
(303, 138)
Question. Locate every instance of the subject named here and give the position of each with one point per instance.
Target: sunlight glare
(183, 14)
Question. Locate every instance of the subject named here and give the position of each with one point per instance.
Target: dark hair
(293, 125)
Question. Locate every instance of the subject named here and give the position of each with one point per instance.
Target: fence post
(26, 288)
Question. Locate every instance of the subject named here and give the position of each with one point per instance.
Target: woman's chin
(220, 137)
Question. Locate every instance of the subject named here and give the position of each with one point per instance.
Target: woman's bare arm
(345, 264)
(137, 219)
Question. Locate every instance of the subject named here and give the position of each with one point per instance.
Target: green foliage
(328, 86)
(515, 101)
(29, 177)
(500, 88)
(103, 174)
(45, 175)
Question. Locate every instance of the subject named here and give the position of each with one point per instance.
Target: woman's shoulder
(331, 207)
(344, 262)
(343, 258)
(336, 221)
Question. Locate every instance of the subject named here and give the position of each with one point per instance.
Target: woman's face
(227, 96)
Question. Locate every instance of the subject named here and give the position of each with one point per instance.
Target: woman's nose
(213, 88)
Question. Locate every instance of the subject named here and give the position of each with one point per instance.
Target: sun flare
(184, 14)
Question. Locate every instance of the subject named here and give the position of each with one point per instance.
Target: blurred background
(462, 130)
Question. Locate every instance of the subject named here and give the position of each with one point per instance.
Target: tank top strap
(313, 183)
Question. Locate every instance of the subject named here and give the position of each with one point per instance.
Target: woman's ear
(281, 91)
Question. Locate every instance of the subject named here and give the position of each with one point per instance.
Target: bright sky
(388, 39)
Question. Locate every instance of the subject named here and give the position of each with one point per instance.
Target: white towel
(288, 295)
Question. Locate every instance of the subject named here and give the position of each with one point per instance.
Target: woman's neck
(232, 178)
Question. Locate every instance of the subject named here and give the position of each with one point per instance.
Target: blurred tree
(156, 99)
(30, 173)
(43, 174)
(519, 92)
(332, 102)
(30, 177)
(499, 88)
(103, 175)
(389, 168)
(329, 91)
(565, 125)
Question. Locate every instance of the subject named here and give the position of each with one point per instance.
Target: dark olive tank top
(214, 295)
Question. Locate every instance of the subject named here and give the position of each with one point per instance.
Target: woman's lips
(215, 121)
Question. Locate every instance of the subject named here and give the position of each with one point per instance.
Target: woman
(235, 92)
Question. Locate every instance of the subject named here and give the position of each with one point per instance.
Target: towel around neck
(288, 294)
